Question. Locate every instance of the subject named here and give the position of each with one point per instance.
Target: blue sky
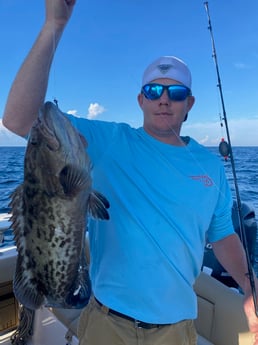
(107, 44)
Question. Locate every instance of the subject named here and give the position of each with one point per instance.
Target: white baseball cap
(168, 67)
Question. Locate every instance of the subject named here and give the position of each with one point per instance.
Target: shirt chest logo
(204, 179)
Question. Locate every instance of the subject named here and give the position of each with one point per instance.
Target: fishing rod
(225, 149)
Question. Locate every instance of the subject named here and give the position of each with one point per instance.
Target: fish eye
(33, 141)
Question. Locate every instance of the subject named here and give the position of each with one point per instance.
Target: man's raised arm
(30, 85)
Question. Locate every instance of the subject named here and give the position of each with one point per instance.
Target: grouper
(49, 215)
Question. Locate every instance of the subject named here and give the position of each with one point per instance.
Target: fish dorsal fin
(17, 217)
(73, 179)
(97, 205)
(25, 288)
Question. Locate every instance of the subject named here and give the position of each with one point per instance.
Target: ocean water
(246, 164)
(11, 172)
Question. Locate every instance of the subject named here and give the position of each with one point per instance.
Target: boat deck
(48, 329)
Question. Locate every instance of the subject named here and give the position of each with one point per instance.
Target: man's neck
(170, 138)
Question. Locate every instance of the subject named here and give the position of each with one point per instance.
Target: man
(166, 192)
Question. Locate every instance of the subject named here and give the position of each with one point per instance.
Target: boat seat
(221, 318)
(203, 341)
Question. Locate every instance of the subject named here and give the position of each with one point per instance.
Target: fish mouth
(44, 128)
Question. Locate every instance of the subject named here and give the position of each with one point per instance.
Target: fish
(50, 210)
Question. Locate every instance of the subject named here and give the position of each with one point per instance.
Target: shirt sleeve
(98, 134)
(221, 224)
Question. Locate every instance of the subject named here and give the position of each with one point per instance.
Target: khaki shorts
(99, 327)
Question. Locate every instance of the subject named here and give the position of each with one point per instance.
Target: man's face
(163, 117)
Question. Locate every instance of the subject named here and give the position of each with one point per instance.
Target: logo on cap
(164, 68)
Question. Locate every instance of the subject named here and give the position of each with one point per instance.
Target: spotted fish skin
(49, 215)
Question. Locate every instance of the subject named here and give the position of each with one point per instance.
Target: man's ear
(191, 101)
(140, 99)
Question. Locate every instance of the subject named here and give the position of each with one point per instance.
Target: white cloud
(94, 110)
(8, 138)
(72, 112)
(243, 132)
(204, 140)
(240, 65)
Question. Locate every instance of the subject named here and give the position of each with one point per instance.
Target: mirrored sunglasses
(175, 92)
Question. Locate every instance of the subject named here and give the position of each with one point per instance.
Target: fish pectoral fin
(80, 292)
(25, 289)
(97, 205)
(73, 179)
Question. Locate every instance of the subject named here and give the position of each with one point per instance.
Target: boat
(221, 319)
